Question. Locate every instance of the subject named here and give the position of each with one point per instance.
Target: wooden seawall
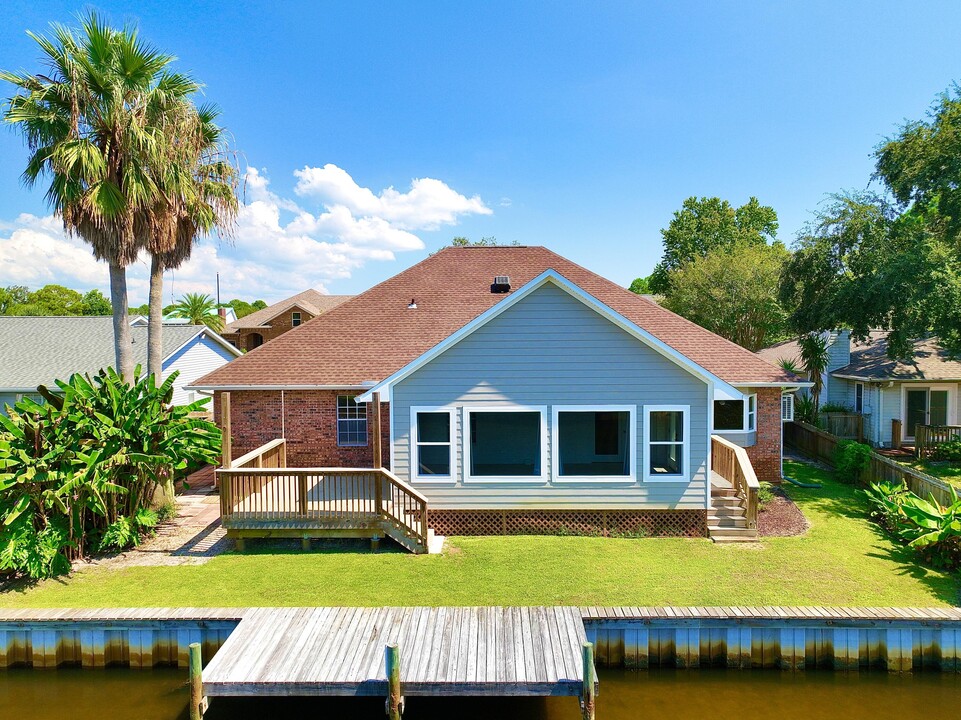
(787, 638)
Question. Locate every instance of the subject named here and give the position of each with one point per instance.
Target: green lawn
(842, 560)
(949, 472)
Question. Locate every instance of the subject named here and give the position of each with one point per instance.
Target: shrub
(850, 460)
(765, 494)
(950, 450)
(927, 527)
(836, 408)
(804, 409)
(79, 471)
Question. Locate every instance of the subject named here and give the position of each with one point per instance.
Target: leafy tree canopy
(52, 300)
(489, 241)
(733, 291)
(706, 224)
(641, 286)
(890, 260)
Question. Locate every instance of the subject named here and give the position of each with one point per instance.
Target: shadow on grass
(321, 546)
(945, 585)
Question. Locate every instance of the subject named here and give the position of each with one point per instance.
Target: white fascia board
(552, 276)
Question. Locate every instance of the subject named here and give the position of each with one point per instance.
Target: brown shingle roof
(314, 302)
(373, 335)
(870, 360)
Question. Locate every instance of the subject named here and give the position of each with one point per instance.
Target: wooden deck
(443, 651)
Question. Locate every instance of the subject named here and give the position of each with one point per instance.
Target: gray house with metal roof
(37, 351)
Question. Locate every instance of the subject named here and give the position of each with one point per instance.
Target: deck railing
(928, 437)
(731, 462)
(821, 445)
(258, 491)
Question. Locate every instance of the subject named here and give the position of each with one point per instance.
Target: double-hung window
(295, 319)
(593, 443)
(432, 433)
(351, 422)
(667, 444)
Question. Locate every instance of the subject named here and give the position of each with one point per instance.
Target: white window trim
(748, 419)
(414, 443)
(790, 398)
(338, 420)
(555, 445)
(685, 477)
(506, 479)
(951, 388)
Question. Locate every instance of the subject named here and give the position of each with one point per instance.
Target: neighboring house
(227, 315)
(509, 378)
(862, 377)
(252, 331)
(37, 351)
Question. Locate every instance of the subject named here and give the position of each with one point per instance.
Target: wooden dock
(443, 651)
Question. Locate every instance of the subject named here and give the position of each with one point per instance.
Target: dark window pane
(666, 459)
(505, 444)
(433, 460)
(593, 443)
(667, 425)
(433, 427)
(728, 414)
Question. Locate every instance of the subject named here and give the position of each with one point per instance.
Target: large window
(735, 415)
(432, 432)
(667, 442)
(594, 443)
(505, 444)
(351, 421)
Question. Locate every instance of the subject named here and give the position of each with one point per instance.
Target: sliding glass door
(925, 406)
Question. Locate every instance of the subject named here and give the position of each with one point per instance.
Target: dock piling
(589, 692)
(198, 703)
(395, 701)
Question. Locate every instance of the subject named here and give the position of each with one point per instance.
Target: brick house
(252, 331)
(517, 391)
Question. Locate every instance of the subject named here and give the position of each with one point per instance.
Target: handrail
(731, 462)
(249, 459)
(928, 437)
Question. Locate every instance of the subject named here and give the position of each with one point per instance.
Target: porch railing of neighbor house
(849, 426)
(820, 445)
(731, 462)
(259, 495)
(928, 437)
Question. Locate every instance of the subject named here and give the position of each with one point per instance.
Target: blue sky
(578, 126)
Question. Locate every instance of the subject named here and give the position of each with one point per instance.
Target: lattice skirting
(599, 523)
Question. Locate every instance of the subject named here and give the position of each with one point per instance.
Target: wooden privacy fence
(731, 462)
(821, 445)
(848, 426)
(928, 437)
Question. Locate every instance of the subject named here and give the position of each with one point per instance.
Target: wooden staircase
(727, 517)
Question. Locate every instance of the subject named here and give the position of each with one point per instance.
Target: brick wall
(278, 326)
(310, 420)
(765, 454)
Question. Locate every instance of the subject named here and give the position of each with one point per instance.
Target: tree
(12, 296)
(88, 124)
(641, 286)
(56, 300)
(733, 291)
(814, 358)
(706, 224)
(198, 197)
(489, 241)
(892, 259)
(94, 303)
(199, 309)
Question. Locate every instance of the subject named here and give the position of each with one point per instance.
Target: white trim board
(414, 463)
(555, 278)
(687, 473)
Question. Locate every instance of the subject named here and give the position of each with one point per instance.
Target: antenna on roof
(218, 288)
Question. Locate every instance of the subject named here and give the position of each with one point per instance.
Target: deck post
(378, 455)
(395, 701)
(225, 449)
(589, 691)
(198, 703)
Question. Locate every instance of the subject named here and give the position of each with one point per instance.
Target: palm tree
(89, 123)
(814, 357)
(199, 309)
(199, 197)
(790, 365)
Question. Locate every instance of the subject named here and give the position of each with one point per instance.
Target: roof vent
(501, 284)
(412, 305)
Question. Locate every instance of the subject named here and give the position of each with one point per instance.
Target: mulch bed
(781, 517)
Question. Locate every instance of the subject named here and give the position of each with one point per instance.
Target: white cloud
(429, 204)
(278, 248)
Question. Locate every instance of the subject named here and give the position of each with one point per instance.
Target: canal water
(161, 694)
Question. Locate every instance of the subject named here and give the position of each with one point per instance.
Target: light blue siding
(550, 349)
(198, 357)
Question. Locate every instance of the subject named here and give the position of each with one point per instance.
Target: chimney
(223, 314)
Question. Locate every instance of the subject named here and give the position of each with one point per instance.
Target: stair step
(721, 531)
(727, 522)
(725, 492)
(726, 500)
(728, 511)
